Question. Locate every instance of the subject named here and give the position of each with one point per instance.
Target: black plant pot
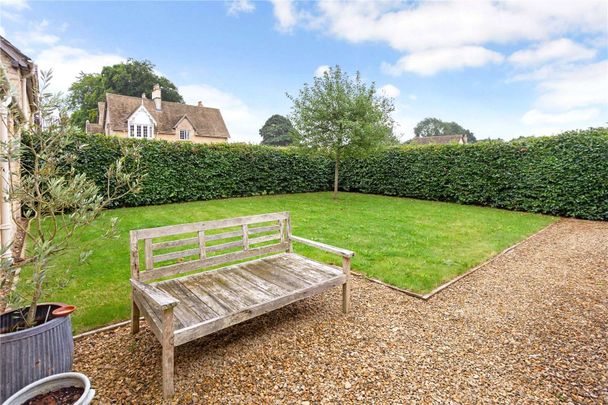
(34, 353)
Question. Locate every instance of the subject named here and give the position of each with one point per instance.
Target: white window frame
(136, 127)
(186, 135)
(139, 131)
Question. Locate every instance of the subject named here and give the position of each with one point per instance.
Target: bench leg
(135, 314)
(346, 285)
(346, 297)
(168, 349)
(168, 370)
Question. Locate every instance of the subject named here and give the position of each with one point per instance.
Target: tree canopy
(277, 131)
(342, 116)
(436, 127)
(131, 78)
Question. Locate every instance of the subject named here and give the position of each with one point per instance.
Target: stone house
(142, 118)
(439, 140)
(18, 90)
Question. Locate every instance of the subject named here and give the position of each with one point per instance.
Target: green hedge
(563, 175)
(179, 172)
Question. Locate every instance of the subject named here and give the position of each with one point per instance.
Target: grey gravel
(530, 327)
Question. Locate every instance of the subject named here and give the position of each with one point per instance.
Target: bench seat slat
(297, 289)
(210, 297)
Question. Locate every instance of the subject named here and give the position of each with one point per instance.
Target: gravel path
(531, 327)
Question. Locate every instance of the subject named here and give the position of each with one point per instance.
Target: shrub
(178, 172)
(563, 175)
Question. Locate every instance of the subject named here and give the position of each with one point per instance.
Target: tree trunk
(336, 172)
(31, 313)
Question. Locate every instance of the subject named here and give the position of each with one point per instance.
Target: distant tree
(342, 116)
(429, 127)
(130, 79)
(277, 131)
(436, 127)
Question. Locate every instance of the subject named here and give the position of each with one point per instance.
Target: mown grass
(412, 244)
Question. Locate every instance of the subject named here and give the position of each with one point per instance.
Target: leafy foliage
(563, 175)
(177, 172)
(342, 116)
(55, 198)
(132, 78)
(436, 127)
(277, 131)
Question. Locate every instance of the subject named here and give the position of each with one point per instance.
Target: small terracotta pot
(63, 311)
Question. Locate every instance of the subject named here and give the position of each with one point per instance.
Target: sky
(500, 69)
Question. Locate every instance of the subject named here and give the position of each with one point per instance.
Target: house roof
(19, 58)
(441, 139)
(207, 121)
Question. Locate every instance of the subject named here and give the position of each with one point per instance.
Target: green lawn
(412, 244)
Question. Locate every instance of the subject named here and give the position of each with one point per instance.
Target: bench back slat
(199, 245)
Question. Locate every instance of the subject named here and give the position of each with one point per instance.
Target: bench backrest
(176, 249)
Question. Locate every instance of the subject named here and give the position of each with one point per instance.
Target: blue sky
(499, 69)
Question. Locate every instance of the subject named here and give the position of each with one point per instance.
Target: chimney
(143, 95)
(156, 97)
(200, 103)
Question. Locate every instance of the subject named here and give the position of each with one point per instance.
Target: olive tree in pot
(55, 201)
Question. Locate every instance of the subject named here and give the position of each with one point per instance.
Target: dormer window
(140, 131)
(184, 134)
(141, 124)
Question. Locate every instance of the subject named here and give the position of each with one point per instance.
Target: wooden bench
(181, 309)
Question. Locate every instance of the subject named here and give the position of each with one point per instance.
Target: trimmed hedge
(178, 172)
(564, 175)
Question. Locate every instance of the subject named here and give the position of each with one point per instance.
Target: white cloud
(389, 90)
(427, 25)
(240, 6)
(243, 123)
(412, 97)
(35, 34)
(14, 4)
(572, 96)
(575, 87)
(427, 63)
(562, 50)
(67, 63)
(537, 117)
(428, 30)
(285, 13)
(320, 71)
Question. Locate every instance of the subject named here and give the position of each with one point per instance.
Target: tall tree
(277, 131)
(130, 79)
(342, 116)
(436, 127)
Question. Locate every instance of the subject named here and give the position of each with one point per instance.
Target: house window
(184, 134)
(131, 130)
(145, 131)
(139, 131)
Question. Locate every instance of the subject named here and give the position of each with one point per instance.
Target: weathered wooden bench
(181, 309)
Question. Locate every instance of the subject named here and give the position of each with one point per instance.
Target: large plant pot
(32, 354)
(53, 383)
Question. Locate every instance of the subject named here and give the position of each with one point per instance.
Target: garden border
(426, 297)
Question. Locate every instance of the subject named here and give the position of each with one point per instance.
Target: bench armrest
(323, 246)
(157, 296)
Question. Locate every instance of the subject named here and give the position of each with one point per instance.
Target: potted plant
(50, 201)
(58, 388)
